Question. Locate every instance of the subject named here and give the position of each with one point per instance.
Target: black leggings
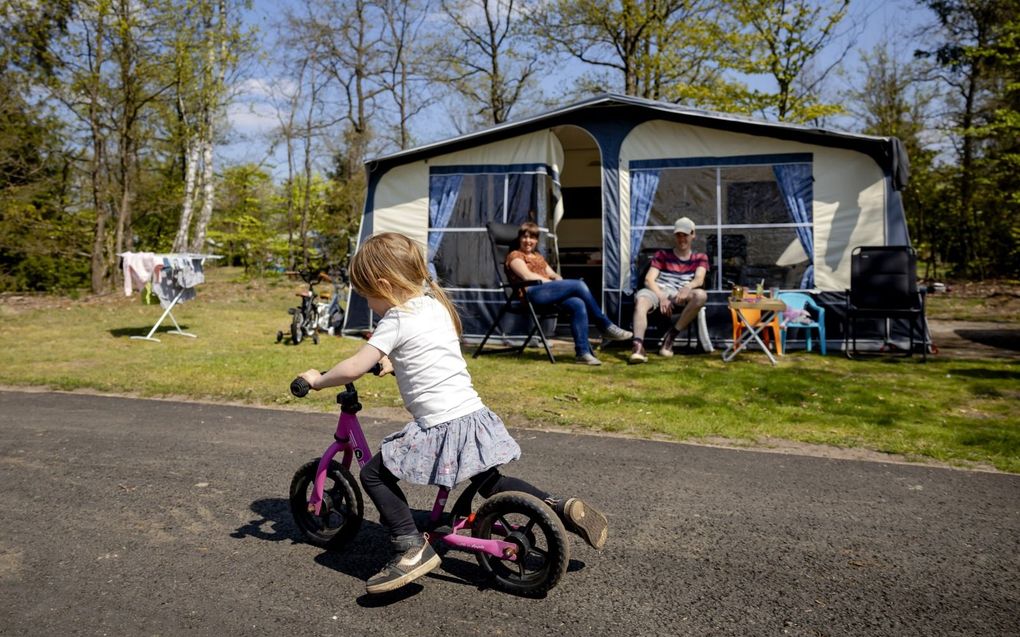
(381, 486)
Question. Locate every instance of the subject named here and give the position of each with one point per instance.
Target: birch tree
(205, 52)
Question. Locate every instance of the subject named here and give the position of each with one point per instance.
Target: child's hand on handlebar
(312, 376)
(385, 366)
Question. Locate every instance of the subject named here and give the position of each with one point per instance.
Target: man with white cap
(672, 286)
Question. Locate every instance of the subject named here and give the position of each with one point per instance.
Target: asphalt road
(135, 517)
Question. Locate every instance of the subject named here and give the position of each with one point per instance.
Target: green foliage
(669, 50)
(242, 231)
(978, 54)
(780, 40)
(43, 246)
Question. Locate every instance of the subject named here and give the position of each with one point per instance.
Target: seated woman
(526, 264)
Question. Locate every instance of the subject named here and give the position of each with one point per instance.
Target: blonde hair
(397, 259)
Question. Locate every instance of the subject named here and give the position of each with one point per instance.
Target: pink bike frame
(350, 439)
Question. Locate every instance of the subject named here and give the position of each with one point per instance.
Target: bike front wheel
(541, 552)
(342, 508)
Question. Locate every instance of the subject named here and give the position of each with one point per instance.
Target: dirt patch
(975, 339)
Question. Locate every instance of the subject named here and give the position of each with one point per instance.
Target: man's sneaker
(616, 333)
(413, 557)
(667, 343)
(586, 521)
(587, 359)
(638, 355)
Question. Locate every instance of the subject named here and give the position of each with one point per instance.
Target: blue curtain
(796, 185)
(643, 184)
(443, 191)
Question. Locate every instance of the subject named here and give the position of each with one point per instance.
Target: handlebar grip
(300, 387)
(376, 369)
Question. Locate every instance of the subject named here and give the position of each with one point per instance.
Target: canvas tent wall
(608, 176)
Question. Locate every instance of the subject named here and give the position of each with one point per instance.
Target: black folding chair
(503, 239)
(883, 285)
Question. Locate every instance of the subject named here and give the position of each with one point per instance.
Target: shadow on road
(274, 524)
(367, 552)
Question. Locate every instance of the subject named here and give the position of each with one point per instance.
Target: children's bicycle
(518, 539)
(304, 318)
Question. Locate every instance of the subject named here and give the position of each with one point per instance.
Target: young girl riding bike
(453, 436)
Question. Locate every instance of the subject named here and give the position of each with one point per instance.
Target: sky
(252, 118)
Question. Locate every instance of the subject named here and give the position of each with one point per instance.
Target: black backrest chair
(734, 257)
(503, 240)
(883, 285)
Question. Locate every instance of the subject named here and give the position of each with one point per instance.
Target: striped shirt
(675, 272)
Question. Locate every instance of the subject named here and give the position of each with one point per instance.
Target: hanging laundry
(138, 268)
(168, 284)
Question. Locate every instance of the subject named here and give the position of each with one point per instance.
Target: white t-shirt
(432, 376)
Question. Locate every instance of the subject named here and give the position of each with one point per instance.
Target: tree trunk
(216, 60)
(100, 264)
(208, 194)
(181, 241)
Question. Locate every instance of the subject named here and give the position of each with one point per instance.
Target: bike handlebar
(299, 387)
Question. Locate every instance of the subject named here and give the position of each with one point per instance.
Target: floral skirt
(450, 452)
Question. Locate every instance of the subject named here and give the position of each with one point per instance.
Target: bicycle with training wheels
(517, 539)
(304, 318)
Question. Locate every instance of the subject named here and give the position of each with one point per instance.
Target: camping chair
(798, 304)
(754, 317)
(665, 323)
(502, 239)
(883, 285)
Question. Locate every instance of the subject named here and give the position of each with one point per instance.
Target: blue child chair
(796, 316)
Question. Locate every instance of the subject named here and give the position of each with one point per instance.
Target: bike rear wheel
(342, 507)
(542, 551)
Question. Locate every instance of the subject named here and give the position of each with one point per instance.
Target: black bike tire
(344, 486)
(297, 331)
(552, 528)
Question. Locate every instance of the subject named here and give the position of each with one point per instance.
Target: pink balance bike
(518, 539)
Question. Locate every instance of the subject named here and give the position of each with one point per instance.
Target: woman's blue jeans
(576, 298)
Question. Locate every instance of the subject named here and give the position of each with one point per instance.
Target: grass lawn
(955, 411)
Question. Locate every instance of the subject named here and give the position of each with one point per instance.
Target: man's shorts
(654, 298)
